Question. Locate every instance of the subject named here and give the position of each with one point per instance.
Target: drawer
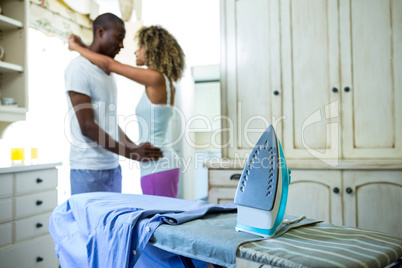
(6, 209)
(227, 178)
(6, 185)
(5, 234)
(35, 181)
(31, 227)
(38, 252)
(29, 205)
(218, 195)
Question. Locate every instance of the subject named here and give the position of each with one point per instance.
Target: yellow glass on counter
(17, 155)
(34, 153)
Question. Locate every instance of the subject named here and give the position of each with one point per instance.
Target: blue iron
(262, 191)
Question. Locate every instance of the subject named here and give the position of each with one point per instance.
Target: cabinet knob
(347, 89)
(334, 89)
(235, 177)
(349, 190)
(276, 92)
(39, 225)
(336, 190)
(39, 180)
(39, 202)
(39, 259)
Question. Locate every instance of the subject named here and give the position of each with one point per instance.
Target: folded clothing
(104, 229)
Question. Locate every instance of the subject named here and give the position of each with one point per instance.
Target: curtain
(55, 18)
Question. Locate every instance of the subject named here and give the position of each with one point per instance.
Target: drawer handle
(39, 202)
(39, 180)
(39, 259)
(235, 177)
(39, 225)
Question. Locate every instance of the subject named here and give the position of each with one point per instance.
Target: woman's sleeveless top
(154, 127)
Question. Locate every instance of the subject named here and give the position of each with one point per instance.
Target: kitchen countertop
(21, 168)
(361, 164)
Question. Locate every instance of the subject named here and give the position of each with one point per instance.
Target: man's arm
(123, 138)
(86, 120)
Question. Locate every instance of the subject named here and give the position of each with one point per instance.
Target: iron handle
(39, 259)
(347, 89)
(39, 202)
(349, 190)
(336, 190)
(39, 225)
(276, 92)
(334, 89)
(235, 177)
(39, 180)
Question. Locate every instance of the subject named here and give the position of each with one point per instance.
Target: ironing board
(111, 229)
(314, 245)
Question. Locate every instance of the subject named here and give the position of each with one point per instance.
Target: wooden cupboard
(324, 73)
(367, 198)
(250, 77)
(371, 81)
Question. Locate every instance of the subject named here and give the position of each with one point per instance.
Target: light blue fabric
(157, 258)
(103, 229)
(86, 180)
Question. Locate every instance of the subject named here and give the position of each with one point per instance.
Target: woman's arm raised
(146, 77)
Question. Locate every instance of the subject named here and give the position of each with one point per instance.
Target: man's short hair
(105, 20)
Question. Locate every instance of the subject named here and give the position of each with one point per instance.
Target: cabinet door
(316, 195)
(220, 195)
(250, 72)
(310, 75)
(371, 48)
(373, 200)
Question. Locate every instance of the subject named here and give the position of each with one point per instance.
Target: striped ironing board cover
(325, 245)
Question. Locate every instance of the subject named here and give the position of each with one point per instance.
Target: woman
(160, 52)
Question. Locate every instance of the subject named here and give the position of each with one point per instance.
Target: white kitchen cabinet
(250, 77)
(371, 80)
(316, 194)
(222, 185)
(310, 78)
(340, 66)
(335, 66)
(365, 198)
(13, 68)
(26, 202)
(373, 200)
(341, 87)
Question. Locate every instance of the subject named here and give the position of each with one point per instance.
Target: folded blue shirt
(104, 229)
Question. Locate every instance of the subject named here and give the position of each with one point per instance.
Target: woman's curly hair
(161, 51)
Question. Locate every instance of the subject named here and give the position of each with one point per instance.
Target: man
(96, 139)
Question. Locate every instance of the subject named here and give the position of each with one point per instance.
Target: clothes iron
(262, 191)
